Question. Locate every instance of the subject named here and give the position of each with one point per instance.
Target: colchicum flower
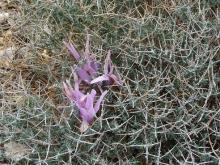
(90, 66)
(87, 104)
(73, 94)
(110, 75)
(88, 107)
(88, 71)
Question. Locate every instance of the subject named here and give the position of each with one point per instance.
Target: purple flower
(90, 67)
(110, 74)
(72, 50)
(88, 71)
(73, 94)
(87, 104)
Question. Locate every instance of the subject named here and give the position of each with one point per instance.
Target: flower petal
(68, 90)
(115, 80)
(90, 99)
(95, 65)
(100, 79)
(88, 68)
(84, 126)
(85, 115)
(72, 50)
(83, 75)
(118, 76)
(98, 103)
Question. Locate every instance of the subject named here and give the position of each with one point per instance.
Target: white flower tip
(84, 126)
(100, 79)
(105, 92)
(83, 98)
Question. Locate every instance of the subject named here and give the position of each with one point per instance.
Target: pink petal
(118, 76)
(95, 65)
(72, 50)
(84, 126)
(87, 111)
(73, 94)
(98, 103)
(68, 90)
(100, 79)
(87, 67)
(77, 94)
(115, 79)
(85, 115)
(83, 75)
(90, 99)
